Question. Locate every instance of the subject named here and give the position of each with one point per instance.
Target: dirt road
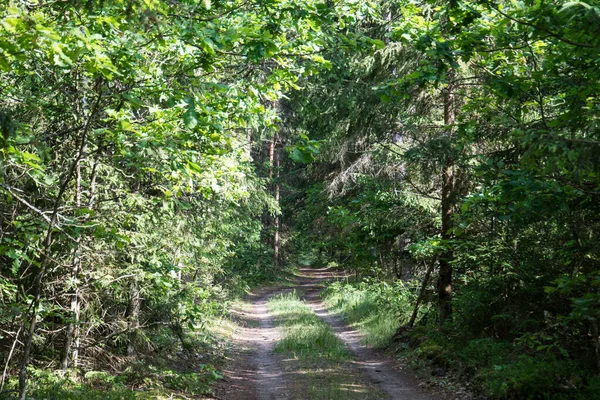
(256, 372)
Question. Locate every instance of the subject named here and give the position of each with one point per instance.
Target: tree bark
(8, 358)
(397, 272)
(72, 333)
(72, 328)
(249, 138)
(415, 312)
(596, 339)
(448, 199)
(277, 222)
(133, 316)
(272, 158)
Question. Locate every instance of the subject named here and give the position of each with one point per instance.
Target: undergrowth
(169, 371)
(376, 309)
(139, 381)
(166, 367)
(497, 369)
(317, 363)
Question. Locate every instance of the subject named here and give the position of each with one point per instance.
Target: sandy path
(255, 371)
(270, 383)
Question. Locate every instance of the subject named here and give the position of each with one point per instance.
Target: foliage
(142, 178)
(498, 368)
(156, 384)
(317, 362)
(465, 139)
(128, 190)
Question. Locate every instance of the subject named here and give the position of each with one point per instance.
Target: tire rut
(254, 372)
(270, 380)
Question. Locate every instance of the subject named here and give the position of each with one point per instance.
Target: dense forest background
(158, 157)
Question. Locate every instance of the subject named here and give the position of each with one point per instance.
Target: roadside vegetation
(491, 367)
(374, 308)
(303, 333)
(170, 372)
(458, 170)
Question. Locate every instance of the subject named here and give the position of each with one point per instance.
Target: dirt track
(256, 372)
(381, 370)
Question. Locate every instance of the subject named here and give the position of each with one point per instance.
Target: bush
(48, 385)
(500, 368)
(532, 378)
(482, 353)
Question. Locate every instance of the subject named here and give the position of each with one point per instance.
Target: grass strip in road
(304, 334)
(318, 365)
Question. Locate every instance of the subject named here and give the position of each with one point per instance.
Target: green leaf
(379, 44)
(193, 167)
(190, 118)
(300, 156)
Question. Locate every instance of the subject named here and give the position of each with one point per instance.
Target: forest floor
(260, 370)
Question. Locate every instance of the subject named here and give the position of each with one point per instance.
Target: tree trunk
(8, 358)
(415, 312)
(596, 339)
(448, 199)
(276, 193)
(37, 293)
(133, 315)
(249, 139)
(45, 259)
(72, 333)
(74, 307)
(397, 271)
(72, 328)
(272, 158)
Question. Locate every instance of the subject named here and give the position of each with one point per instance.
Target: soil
(256, 372)
(254, 369)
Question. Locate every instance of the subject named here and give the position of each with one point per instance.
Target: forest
(163, 161)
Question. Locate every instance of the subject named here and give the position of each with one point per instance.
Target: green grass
(141, 382)
(303, 333)
(318, 363)
(370, 310)
(496, 369)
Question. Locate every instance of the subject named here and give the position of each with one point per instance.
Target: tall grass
(496, 368)
(376, 309)
(320, 368)
(303, 333)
